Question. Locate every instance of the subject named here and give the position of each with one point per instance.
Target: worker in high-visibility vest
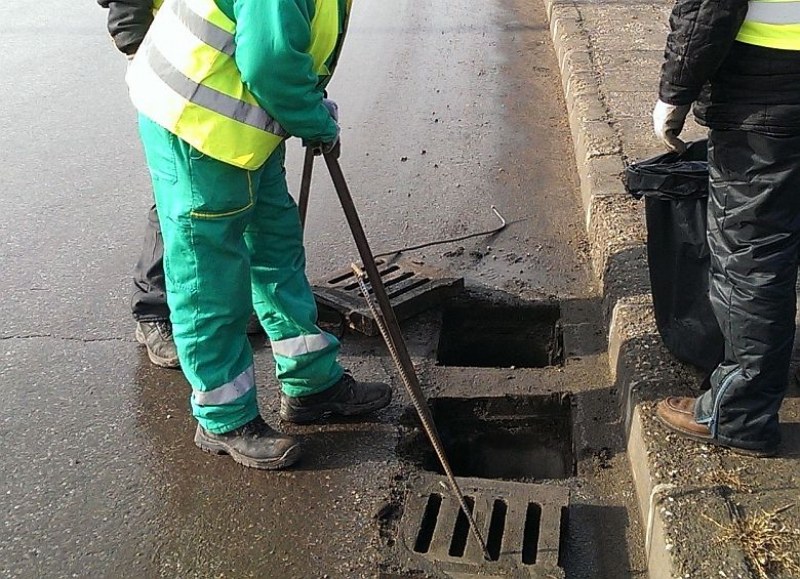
(128, 22)
(219, 86)
(747, 57)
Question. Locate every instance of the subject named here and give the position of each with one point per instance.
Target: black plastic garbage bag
(675, 188)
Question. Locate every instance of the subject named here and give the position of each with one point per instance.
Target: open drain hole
(519, 438)
(500, 336)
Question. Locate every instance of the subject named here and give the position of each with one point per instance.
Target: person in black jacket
(128, 22)
(739, 63)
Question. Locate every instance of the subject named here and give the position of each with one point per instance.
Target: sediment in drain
(522, 438)
(499, 336)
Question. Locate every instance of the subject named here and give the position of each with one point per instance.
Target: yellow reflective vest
(772, 23)
(184, 78)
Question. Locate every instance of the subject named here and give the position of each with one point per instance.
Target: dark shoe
(677, 414)
(345, 398)
(157, 338)
(254, 444)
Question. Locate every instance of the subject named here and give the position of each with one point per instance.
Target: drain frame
(513, 553)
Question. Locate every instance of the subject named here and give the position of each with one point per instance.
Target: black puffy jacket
(128, 21)
(733, 85)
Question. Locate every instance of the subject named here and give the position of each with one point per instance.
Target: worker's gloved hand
(331, 146)
(668, 123)
(333, 108)
(334, 147)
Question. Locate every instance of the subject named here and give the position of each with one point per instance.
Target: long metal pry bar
(390, 330)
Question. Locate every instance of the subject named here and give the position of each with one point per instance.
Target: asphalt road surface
(447, 107)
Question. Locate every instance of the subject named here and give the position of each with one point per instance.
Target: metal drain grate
(521, 523)
(412, 288)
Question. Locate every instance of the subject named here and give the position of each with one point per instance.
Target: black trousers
(754, 239)
(149, 300)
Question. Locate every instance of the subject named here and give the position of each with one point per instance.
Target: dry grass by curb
(771, 548)
(731, 479)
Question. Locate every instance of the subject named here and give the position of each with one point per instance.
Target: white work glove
(332, 107)
(668, 123)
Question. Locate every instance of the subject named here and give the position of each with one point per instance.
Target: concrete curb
(617, 235)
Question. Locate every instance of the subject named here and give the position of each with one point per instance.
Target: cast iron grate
(412, 288)
(522, 524)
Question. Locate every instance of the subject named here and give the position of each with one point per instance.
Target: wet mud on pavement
(447, 109)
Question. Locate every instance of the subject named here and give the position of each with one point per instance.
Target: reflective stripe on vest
(185, 79)
(772, 24)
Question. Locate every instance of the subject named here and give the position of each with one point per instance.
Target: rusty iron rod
(394, 337)
(305, 185)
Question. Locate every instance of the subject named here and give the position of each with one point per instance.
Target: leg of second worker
(305, 356)
(149, 300)
(754, 234)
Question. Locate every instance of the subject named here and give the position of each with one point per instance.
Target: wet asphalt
(447, 108)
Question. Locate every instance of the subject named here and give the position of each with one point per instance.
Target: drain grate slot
(412, 288)
(385, 276)
(530, 537)
(461, 531)
(428, 525)
(396, 292)
(521, 523)
(497, 524)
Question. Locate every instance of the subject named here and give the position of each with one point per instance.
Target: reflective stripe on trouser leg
(305, 357)
(754, 238)
(204, 206)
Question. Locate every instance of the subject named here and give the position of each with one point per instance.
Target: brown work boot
(254, 444)
(677, 414)
(345, 398)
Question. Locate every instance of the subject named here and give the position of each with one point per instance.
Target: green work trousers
(233, 243)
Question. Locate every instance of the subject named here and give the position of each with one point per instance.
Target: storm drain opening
(500, 336)
(523, 524)
(519, 438)
(494, 538)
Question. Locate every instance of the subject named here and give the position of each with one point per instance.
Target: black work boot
(254, 444)
(345, 398)
(157, 338)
